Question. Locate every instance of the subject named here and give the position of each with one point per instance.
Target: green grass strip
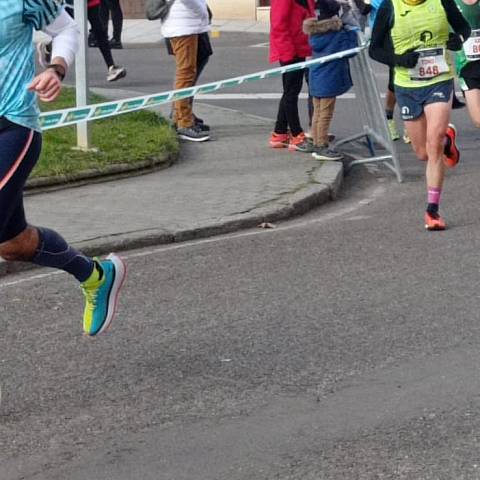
(127, 139)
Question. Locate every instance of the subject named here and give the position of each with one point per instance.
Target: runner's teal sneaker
(101, 294)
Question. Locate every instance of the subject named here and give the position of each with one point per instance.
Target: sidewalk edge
(327, 180)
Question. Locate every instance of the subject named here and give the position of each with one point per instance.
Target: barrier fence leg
(372, 116)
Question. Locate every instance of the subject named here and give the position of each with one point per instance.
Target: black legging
(288, 109)
(114, 7)
(20, 149)
(100, 34)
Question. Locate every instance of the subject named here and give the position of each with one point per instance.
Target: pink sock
(434, 195)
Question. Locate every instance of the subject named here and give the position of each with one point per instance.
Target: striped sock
(433, 199)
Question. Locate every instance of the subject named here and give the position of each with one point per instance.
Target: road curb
(111, 172)
(326, 181)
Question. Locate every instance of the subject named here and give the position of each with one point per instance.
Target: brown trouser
(322, 116)
(185, 50)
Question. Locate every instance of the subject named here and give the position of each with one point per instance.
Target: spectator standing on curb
(184, 27)
(20, 146)
(114, 9)
(331, 79)
(203, 55)
(289, 45)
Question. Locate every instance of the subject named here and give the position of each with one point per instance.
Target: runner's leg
(21, 242)
(417, 131)
(437, 116)
(100, 281)
(472, 98)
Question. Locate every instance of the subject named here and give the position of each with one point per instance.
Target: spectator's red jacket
(93, 3)
(287, 40)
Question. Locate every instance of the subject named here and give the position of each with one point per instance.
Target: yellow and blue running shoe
(101, 294)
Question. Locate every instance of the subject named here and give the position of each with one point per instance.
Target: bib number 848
(430, 71)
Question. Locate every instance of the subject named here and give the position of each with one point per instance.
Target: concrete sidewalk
(145, 32)
(234, 181)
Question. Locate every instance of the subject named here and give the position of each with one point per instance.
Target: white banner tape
(71, 116)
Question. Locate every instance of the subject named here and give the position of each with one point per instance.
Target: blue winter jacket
(326, 37)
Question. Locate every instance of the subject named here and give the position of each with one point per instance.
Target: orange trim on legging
(18, 161)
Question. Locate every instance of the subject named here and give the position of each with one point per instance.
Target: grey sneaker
(193, 134)
(324, 152)
(305, 146)
(115, 73)
(308, 147)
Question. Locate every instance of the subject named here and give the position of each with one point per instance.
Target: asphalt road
(340, 345)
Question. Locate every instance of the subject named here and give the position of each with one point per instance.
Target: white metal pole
(81, 72)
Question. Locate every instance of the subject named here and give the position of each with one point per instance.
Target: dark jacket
(326, 38)
(287, 40)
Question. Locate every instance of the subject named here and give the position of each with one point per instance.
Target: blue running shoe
(101, 294)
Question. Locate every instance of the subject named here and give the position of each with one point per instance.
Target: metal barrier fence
(372, 113)
(375, 128)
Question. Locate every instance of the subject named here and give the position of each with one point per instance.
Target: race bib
(472, 46)
(431, 63)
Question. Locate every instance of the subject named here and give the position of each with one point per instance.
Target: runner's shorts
(412, 101)
(469, 78)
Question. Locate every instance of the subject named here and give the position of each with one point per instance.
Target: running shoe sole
(436, 228)
(120, 275)
(278, 145)
(193, 139)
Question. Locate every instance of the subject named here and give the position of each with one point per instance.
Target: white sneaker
(115, 73)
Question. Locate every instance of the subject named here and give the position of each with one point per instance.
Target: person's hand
(454, 42)
(407, 59)
(47, 85)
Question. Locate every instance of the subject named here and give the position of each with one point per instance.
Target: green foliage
(129, 138)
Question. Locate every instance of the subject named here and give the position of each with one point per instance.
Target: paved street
(340, 345)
